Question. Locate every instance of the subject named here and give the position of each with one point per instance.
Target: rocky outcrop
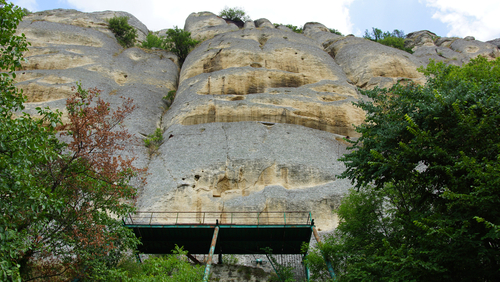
(366, 63)
(205, 25)
(495, 42)
(449, 50)
(260, 115)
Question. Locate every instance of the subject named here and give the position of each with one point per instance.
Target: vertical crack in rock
(227, 147)
(224, 184)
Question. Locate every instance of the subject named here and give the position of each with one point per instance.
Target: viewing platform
(239, 232)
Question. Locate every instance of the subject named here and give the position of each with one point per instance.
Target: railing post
(211, 253)
(176, 218)
(150, 218)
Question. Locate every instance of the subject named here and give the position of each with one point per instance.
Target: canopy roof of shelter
(240, 232)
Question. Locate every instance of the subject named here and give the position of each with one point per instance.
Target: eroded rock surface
(260, 113)
(247, 166)
(205, 25)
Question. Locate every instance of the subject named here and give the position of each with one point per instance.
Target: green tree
(59, 202)
(395, 39)
(179, 42)
(124, 33)
(234, 14)
(15, 142)
(427, 173)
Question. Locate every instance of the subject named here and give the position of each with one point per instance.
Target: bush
(153, 41)
(167, 268)
(179, 42)
(124, 33)
(234, 14)
(169, 98)
(395, 39)
(333, 30)
(294, 28)
(176, 41)
(153, 141)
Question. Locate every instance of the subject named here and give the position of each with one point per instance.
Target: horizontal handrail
(213, 217)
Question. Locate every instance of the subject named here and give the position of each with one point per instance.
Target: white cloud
(478, 18)
(159, 14)
(28, 4)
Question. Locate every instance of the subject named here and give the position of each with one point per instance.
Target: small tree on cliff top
(179, 42)
(234, 14)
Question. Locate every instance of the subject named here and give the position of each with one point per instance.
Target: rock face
(69, 46)
(257, 120)
(260, 113)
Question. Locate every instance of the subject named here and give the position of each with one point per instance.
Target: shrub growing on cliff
(333, 30)
(179, 42)
(124, 33)
(153, 141)
(153, 41)
(427, 173)
(294, 28)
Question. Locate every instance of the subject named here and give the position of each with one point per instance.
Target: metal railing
(225, 218)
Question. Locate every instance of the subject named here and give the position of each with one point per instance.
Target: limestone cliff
(260, 113)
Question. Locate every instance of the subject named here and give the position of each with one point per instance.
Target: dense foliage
(168, 268)
(59, 202)
(427, 172)
(394, 39)
(234, 14)
(176, 40)
(179, 42)
(153, 41)
(124, 33)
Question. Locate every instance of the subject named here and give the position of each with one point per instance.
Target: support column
(327, 261)
(211, 253)
(308, 273)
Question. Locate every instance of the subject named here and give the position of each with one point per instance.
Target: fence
(223, 218)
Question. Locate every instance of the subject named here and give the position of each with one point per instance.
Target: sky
(448, 18)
